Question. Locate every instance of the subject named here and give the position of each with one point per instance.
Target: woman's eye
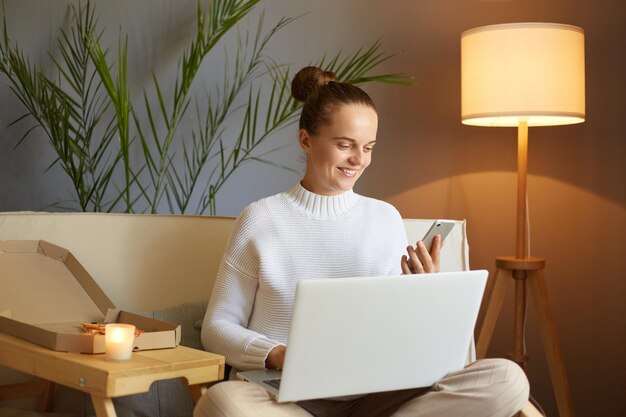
(368, 149)
(343, 147)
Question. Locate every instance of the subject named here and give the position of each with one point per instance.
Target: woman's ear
(305, 140)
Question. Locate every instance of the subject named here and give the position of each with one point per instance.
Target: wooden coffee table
(103, 379)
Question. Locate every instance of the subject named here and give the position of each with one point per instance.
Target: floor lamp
(521, 75)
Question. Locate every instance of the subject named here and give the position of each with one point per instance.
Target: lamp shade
(533, 72)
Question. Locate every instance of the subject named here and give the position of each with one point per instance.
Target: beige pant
(486, 388)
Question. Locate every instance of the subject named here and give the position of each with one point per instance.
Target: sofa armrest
(529, 410)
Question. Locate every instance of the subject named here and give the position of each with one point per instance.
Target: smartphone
(439, 227)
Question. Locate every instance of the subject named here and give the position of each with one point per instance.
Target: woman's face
(340, 151)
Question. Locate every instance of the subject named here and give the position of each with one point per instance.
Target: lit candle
(118, 341)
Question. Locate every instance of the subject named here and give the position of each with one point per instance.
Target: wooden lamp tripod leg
(552, 347)
(494, 305)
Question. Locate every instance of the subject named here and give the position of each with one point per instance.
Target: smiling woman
(322, 229)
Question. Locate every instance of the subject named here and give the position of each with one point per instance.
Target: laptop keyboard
(274, 383)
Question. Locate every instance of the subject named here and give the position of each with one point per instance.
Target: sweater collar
(322, 206)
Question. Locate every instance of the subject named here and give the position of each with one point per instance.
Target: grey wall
(426, 162)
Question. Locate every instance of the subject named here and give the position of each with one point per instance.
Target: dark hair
(321, 93)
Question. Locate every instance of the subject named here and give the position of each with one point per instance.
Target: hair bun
(308, 80)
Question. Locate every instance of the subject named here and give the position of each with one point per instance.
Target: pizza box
(45, 295)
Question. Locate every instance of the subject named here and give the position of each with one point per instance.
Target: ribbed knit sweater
(281, 240)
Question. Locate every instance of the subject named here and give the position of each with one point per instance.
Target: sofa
(162, 266)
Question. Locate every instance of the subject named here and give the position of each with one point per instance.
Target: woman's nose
(357, 157)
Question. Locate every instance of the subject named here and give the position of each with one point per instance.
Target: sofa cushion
(188, 315)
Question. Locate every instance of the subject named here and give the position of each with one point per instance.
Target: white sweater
(281, 240)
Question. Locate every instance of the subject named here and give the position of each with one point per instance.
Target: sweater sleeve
(224, 329)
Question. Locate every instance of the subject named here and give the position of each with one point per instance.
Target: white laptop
(362, 335)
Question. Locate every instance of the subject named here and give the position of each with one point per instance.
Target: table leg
(103, 406)
(197, 391)
(45, 400)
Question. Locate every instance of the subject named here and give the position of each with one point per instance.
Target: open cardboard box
(45, 293)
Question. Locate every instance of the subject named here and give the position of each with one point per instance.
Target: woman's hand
(276, 358)
(419, 260)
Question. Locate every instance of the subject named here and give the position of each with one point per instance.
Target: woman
(322, 229)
